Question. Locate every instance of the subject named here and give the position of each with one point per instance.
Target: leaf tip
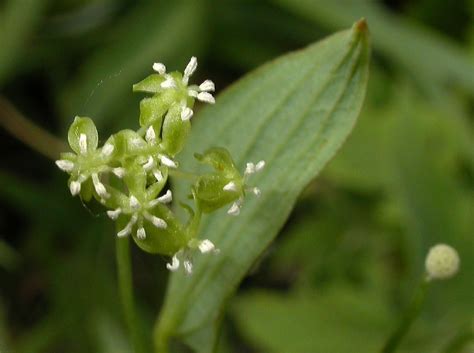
(361, 26)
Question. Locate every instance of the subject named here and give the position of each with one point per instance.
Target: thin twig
(28, 132)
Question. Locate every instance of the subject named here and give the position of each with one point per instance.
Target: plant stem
(124, 269)
(410, 315)
(28, 132)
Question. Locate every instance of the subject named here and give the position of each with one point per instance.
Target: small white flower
(65, 165)
(160, 68)
(442, 262)
(256, 191)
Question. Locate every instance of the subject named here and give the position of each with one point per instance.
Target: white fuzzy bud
(442, 262)
(166, 198)
(134, 203)
(168, 162)
(259, 166)
(168, 83)
(188, 267)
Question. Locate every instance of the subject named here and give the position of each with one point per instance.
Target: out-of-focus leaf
(295, 113)
(408, 44)
(9, 258)
(17, 20)
(340, 320)
(156, 31)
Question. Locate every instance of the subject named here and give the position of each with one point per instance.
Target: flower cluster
(129, 173)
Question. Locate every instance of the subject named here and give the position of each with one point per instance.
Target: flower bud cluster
(129, 173)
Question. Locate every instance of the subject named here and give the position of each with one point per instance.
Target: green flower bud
(82, 136)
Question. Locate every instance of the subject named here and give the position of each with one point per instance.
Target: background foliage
(345, 263)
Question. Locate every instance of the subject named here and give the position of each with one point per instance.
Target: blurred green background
(346, 263)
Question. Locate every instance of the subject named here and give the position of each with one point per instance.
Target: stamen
(168, 162)
(207, 86)
(114, 214)
(65, 165)
(157, 222)
(192, 93)
(206, 97)
(234, 210)
(160, 68)
(188, 267)
(83, 143)
(259, 166)
(141, 234)
(99, 187)
(166, 198)
(128, 228)
(230, 186)
(174, 265)
(206, 246)
(150, 135)
(108, 149)
(75, 187)
(168, 83)
(134, 203)
(119, 172)
(149, 164)
(189, 70)
(157, 174)
(256, 192)
(186, 114)
(249, 169)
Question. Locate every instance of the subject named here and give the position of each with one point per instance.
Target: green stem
(411, 314)
(124, 269)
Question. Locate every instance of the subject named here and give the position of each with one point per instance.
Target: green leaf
(294, 113)
(339, 320)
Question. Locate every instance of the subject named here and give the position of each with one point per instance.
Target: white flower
(139, 211)
(442, 262)
(185, 255)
